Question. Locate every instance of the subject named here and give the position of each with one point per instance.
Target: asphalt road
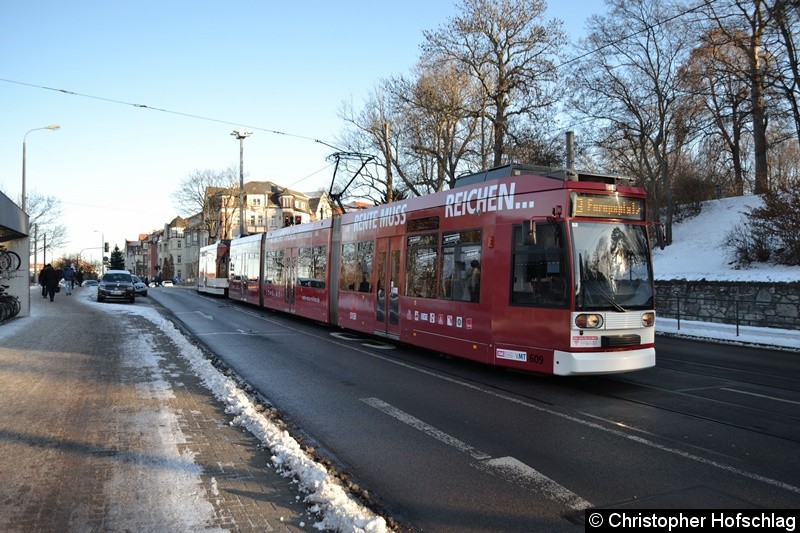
(446, 445)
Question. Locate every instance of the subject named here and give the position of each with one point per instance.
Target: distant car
(166, 283)
(139, 286)
(90, 283)
(116, 285)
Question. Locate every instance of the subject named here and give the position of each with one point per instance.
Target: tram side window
(460, 269)
(311, 265)
(233, 273)
(540, 277)
(319, 265)
(356, 268)
(274, 268)
(421, 267)
(251, 267)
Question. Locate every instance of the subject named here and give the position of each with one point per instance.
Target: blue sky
(267, 65)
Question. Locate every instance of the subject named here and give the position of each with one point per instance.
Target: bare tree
(721, 99)
(500, 43)
(370, 133)
(745, 24)
(45, 214)
(439, 128)
(628, 86)
(203, 191)
(785, 17)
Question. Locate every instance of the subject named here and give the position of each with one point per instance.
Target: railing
(723, 311)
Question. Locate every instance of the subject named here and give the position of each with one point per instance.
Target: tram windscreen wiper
(610, 300)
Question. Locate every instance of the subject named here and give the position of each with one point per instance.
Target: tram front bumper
(588, 363)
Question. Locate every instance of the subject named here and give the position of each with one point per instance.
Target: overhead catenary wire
(168, 111)
(688, 10)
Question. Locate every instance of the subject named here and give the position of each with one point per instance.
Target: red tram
(543, 270)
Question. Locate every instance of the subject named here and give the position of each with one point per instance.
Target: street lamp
(52, 127)
(241, 135)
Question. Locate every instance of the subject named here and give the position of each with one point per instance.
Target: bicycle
(9, 304)
(9, 261)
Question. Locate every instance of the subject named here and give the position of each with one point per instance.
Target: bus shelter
(15, 237)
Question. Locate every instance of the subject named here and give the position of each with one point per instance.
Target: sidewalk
(104, 427)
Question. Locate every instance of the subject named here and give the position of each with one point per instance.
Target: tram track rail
(759, 420)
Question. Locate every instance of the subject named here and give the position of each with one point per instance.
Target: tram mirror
(529, 228)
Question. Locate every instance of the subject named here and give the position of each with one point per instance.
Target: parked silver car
(139, 286)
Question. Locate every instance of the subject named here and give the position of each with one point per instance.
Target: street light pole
(102, 250)
(241, 135)
(51, 127)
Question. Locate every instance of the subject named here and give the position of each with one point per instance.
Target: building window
(179, 260)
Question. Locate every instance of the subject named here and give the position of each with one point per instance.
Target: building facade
(174, 250)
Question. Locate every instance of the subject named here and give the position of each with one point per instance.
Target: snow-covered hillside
(697, 251)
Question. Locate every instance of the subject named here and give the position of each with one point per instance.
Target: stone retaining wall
(761, 304)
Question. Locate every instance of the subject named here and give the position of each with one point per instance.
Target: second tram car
(542, 270)
(213, 268)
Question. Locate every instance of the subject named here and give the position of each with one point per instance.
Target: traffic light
(298, 219)
(105, 247)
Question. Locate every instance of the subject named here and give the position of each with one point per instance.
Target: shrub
(772, 232)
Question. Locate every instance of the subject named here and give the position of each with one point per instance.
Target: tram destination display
(607, 206)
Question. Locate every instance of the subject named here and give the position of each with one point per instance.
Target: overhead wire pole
(241, 135)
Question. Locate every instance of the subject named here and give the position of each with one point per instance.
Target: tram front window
(612, 266)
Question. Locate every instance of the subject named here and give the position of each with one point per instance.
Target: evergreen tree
(117, 260)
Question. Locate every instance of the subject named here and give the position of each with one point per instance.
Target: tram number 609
(537, 359)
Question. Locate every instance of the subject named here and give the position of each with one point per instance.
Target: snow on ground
(338, 510)
(327, 498)
(698, 253)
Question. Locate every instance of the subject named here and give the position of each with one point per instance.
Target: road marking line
(431, 431)
(536, 407)
(760, 395)
(519, 473)
(508, 468)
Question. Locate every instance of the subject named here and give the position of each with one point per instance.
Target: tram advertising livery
(539, 269)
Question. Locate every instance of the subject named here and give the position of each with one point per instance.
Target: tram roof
(563, 174)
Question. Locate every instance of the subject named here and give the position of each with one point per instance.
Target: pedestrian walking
(51, 279)
(69, 278)
(43, 277)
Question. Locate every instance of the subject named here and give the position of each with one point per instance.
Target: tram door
(289, 278)
(387, 276)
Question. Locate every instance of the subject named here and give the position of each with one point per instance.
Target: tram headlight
(589, 321)
(648, 319)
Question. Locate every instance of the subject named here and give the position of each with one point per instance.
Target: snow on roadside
(337, 509)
